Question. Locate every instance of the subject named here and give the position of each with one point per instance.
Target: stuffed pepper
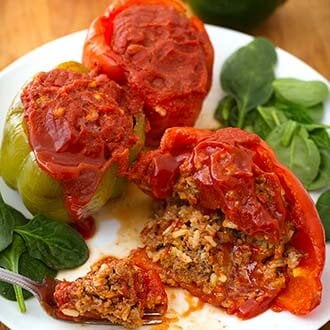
(234, 226)
(116, 290)
(161, 52)
(68, 135)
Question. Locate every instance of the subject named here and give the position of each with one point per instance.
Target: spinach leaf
(56, 244)
(247, 75)
(296, 113)
(9, 259)
(9, 218)
(31, 268)
(322, 140)
(226, 111)
(296, 150)
(316, 112)
(323, 177)
(266, 120)
(299, 92)
(323, 207)
(321, 137)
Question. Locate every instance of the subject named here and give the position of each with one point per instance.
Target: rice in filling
(205, 253)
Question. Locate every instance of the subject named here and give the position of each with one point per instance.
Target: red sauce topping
(86, 227)
(78, 124)
(164, 60)
(228, 174)
(153, 39)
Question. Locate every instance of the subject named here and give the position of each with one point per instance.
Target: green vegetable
(267, 118)
(9, 259)
(323, 177)
(56, 244)
(247, 75)
(294, 112)
(322, 141)
(323, 207)
(295, 149)
(31, 268)
(37, 249)
(316, 112)
(238, 14)
(9, 217)
(43, 194)
(226, 111)
(301, 93)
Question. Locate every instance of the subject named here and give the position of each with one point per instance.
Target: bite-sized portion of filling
(205, 253)
(81, 128)
(237, 228)
(162, 54)
(116, 290)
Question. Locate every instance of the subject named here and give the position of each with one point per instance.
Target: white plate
(119, 223)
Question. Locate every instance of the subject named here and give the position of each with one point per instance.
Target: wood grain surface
(301, 27)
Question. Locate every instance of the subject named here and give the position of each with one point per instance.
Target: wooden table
(301, 27)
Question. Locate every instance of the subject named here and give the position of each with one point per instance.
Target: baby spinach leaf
(316, 112)
(321, 137)
(226, 111)
(323, 207)
(294, 112)
(323, 176)
(9, 259)
(31, 268)
(299, 92)
(322, 140)
(296, 150)
(56, 244)
(9, 218)
(247, 75)
(266, 120)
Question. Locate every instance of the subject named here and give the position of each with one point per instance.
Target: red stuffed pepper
(161, 52)
(235, 227)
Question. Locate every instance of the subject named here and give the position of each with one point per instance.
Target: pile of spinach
(285, 112)
(36, 248)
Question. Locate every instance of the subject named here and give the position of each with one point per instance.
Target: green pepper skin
(39, 191)
(237, 14)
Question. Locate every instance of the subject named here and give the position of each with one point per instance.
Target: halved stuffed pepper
(235, 227)
(161, 52)
(68, 135)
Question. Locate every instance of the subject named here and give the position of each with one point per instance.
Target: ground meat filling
(114, 290)
(205, 253)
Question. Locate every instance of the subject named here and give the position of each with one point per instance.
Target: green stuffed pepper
(69, 137)
(237, 14)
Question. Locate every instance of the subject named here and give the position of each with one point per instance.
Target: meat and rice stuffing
(116, 290)
(206, 254)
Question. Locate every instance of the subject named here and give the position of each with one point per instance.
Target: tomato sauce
(78, 125)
